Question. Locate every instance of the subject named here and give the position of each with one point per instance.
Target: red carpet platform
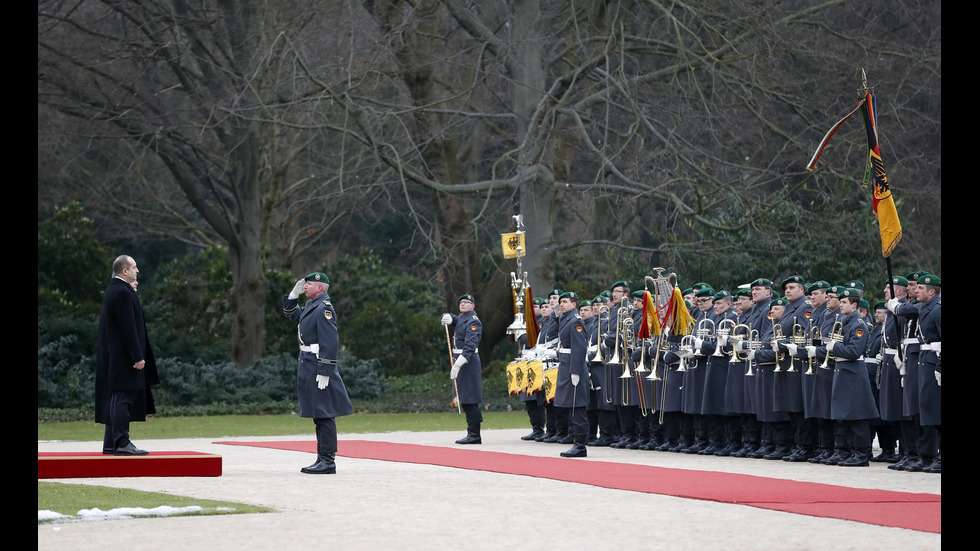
(96, 465)
(881, 507)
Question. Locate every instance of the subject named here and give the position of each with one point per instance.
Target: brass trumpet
(724, 329)
(836, 335)
(799, 339)
(813, 340)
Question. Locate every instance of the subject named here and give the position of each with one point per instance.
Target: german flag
(889, 226)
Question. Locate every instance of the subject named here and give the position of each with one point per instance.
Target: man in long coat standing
(124, 365)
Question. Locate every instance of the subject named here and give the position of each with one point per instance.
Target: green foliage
(388, 316)
(72, 265)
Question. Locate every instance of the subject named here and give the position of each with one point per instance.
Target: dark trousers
(326, 437)
(120, 413)
(473, 418)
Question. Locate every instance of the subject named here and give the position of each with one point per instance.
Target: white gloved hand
(722, 341)
(697, 343)
(297, 289)
(575, 379)
(811, 352)
(447, 319)
(751, 355)
(775, 347)
(550, 354)
(938, 374)
(322, 381)
(830, 346)
(741, 346)
(684, 353)
(937, 347)
(460, 362)
(792, 349)
(891, 304)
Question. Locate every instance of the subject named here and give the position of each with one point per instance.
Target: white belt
(938, 345)
(564, 350)
(551, 343)
(457, 350)
(891, 351)
(911, 340)
(314, 348)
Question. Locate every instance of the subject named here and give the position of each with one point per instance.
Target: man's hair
(121, 263)
(852, 300)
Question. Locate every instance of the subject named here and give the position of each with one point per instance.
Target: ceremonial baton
(449, 346)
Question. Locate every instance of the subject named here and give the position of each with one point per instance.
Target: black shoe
(761, 452)
(918, 465)
(622, 444)
(533, 436)
(745, 450)
(602, 441)
(710, 450)
(901, 464)
(470, 439)
(727, 451)
(799, 456)
(855, 460)
(886, 456)
(129, 449)
(107, 451)
(836, 458)
(777, 454)
(638, 444)
(322, 466)
(578, 450)
(569, 439)
(820, 456)
(935, 467)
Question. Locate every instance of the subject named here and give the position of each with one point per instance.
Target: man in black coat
(125, 367)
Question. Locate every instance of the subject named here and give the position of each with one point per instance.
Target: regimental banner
(513, 244)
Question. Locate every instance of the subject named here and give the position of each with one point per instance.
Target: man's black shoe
(320, 467)
(129, 449)
(470, 439)
(533, 436)
(578, 450)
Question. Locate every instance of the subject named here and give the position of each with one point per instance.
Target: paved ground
(377, 504)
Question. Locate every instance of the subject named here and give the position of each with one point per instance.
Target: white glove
(811, 352)
(751, 355)
(575, 378)
(792, 349)
(447, 319)
(550, 354)
(938, 374)
(460, 362)
(322, 381)
(830, 346)
(775, 347)
(697, 343)
(741, 346)
(937, 347)
(722, 341)
(684, 353)
(297, 289)
(891, 304)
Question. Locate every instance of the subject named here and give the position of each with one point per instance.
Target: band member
(788, 384)
(466, 373)
(571, 393)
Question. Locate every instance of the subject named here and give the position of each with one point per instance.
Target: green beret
(880, 306)
(849, 293)
(761, 282)
(705, 292)
(606, 294)
(793, 279)
(836, 289)
(465, 297)
(744, 292)
(600, 299)
(569, 295)
(723, 294)
(539, 301)
(863, 303)
(779, 302)
(688, 291)
(900, 281)
(775, 294)
(817, 285)
(620, 283)
(585, 302)
(318, 276)
(555, 292)
(637, 293)
(854, 284)
(929, 279)
(914, 276)
(699, 286)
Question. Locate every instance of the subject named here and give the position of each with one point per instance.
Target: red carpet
(96, 465)
(881, 507)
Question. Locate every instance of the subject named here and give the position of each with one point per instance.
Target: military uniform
(467, 331)
(571, 399)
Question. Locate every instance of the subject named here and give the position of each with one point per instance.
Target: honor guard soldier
(322, 394)
(571, 392)
(466, 373)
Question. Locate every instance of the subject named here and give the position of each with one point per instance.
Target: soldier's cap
(816, 286)
(539, 301)
(854, 284)
(900, 281)
(880, 306)
(569, 295)
(836, 290)
(698, 286)
(466, 297)
(723, 294)
(637, 293)
(929, 279)
(761, 282)
(605, 294)
(863, 303)
(743, 292)
(914, 276)
(793, 279)
(688, 305)
(318, 276)
(600, 299)
(779, 302)
(585, 302)
(849, 293)
(775, 294)
(620, 283)
(688, 291)
(555, 292)
(705, 292)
